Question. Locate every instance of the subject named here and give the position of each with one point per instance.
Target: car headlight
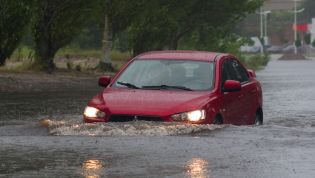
(192, 116)
(93, 112)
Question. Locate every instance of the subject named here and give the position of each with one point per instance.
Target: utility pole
(266, 39)
(295, 23)
(261, 24)
(261, 31)
(263, 27)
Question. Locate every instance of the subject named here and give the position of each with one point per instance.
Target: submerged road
(283, 147)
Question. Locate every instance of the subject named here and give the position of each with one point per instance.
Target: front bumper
(129, 118)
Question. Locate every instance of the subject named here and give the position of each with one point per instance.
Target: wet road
(283, 147)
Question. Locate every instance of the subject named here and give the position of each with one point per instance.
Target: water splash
(135, 128)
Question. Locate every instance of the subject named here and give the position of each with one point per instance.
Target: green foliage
(55, 24)
(89, 37)
(166, 24)
(298, 42)
(14, 18)
(309, 6)
(74, 52)
(307, 38)
(137, 26)
(21, 53)
(70, 52)
(69, 65)
(313, 43)
(255, 62)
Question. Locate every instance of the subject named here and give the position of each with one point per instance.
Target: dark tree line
(142, 24)
(14, 18)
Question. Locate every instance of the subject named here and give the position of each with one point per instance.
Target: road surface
(283, 147)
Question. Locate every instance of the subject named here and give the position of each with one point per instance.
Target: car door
(249, 91)
(233, 102)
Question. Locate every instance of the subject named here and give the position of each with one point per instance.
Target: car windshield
(167, 74)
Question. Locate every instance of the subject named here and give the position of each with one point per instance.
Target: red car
(179, 86)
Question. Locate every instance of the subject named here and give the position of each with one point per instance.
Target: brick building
(279, 32)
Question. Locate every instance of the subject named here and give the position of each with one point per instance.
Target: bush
(78, 68)
(232, 46)
(256, 61)
(298, 43)
(69, 65)
(307, 38)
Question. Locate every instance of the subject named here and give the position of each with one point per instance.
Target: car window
(195, 75)
(234, 71)
(240, 71)
(225, 73)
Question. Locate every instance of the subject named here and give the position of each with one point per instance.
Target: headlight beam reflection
(197, 168)
(92, 168)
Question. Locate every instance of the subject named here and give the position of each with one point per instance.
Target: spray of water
(135, 128)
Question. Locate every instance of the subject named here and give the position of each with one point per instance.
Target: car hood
(149, 102)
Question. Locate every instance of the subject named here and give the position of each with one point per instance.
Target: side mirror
(232, 86)
(104, 81)
(251, 73)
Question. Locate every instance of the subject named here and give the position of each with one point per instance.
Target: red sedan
(179, 86)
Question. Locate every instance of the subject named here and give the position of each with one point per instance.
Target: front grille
(128, 118)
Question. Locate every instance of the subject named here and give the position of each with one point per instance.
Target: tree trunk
(173, 41)
(2, 59)
(44, 45)
(106, 64)
(45, 51)
(45, 58)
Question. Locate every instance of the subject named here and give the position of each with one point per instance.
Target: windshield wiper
(129, 85)
(166, 87)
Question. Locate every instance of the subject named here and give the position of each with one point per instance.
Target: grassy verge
(255, 61)
(74, 59)
(91, 53)
(68, 59)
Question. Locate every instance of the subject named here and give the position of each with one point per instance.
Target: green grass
(78, 53)
(22, 59)
(92, 53)
(20, 66)
(120, 56)
(254, 61)
(86, 59)
(22, 53)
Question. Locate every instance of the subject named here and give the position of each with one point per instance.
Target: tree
(309, 6)
(163, 24)
(298, 42)
(116, 16)
(55, 24)
(14, 18)
(307, 38)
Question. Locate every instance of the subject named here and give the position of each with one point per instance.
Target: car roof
(180, 54)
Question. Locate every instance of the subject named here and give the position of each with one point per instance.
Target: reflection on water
(92, 168)
(197, 168)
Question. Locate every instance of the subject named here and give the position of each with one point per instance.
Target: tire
(259, 118)
(218, 120)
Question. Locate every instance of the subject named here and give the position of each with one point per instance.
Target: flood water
(35, 105)
(283, 147)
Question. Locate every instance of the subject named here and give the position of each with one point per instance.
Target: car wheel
(218, 120)
(259, 118)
